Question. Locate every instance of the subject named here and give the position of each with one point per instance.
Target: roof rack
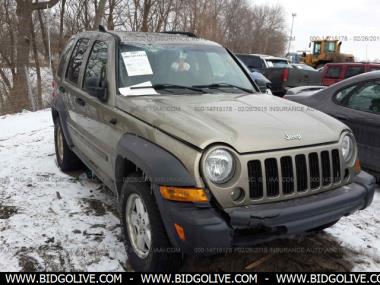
(189, 34)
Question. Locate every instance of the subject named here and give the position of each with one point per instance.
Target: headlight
(219, 166)
(347, 148)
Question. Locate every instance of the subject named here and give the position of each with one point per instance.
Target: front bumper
(208, 230)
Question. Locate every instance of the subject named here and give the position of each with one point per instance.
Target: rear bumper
(208, 230)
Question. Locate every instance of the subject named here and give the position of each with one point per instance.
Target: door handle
(80, 101)
(113, 121)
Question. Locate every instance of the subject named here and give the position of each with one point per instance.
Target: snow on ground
(53, 221)
(49, 220)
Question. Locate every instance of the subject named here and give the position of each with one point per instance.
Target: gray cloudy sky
(349, 18)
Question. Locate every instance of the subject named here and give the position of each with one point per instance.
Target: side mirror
(309, 45)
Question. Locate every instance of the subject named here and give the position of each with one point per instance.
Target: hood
(248, 123)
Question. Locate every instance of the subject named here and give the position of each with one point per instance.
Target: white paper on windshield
(130, 91)
(137, 63)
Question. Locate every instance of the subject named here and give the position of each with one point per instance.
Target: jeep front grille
(277, 177)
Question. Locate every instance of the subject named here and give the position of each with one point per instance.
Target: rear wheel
(66, 158)
(147, 244)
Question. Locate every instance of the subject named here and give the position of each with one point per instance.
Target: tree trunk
(37, 65)
(99, 14)
(110, 20)
(62, 15)
(20, 88)
(147, 7)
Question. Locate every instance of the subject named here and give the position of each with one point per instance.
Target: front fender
(159, 166)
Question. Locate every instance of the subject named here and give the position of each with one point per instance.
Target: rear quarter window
(64, 57)
(76, 60)
(353, 70)
(333, 72)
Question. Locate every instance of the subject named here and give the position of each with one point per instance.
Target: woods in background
(33, 31)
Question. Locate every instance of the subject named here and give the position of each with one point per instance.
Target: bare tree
(24, 9)
(236, 24)
(99, 13)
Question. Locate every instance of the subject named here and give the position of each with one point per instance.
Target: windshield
(330, 46)
(153, 69)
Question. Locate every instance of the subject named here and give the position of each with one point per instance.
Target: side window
(64, 57)
(333, 72)
(374, 68)
(366, 98)
(330, 47)
(353, 70)
(96, 66)
(73, 70)
(317, 48)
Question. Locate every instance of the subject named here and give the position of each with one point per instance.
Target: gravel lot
(52, 221)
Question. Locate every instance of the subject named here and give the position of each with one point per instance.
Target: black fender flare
(160, 167)
(59, 107)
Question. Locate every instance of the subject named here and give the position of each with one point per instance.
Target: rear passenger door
(70, 87)
(99, 123)
(360, 109)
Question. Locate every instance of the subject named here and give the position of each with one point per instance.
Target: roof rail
(189, 34)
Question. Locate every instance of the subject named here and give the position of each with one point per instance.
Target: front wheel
(147, 244)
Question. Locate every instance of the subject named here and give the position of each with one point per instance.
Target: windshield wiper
(169, 86)
(223, 85)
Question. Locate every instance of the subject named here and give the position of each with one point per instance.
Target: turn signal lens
(179, 194)
(180, 232)
(357, 167)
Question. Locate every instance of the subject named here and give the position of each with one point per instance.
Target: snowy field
(50, 221)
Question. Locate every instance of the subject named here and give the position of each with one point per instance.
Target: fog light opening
(237, 195)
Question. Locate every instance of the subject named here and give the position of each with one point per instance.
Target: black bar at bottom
(190, 278)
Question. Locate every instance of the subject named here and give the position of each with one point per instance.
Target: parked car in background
(334, 72)
(280, 72)
(355, 102)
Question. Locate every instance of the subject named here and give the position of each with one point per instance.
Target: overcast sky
(349, 18)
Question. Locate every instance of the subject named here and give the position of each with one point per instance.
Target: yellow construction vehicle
(325, 51)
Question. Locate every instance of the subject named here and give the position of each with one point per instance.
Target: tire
(161, 257)
(66, 158)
